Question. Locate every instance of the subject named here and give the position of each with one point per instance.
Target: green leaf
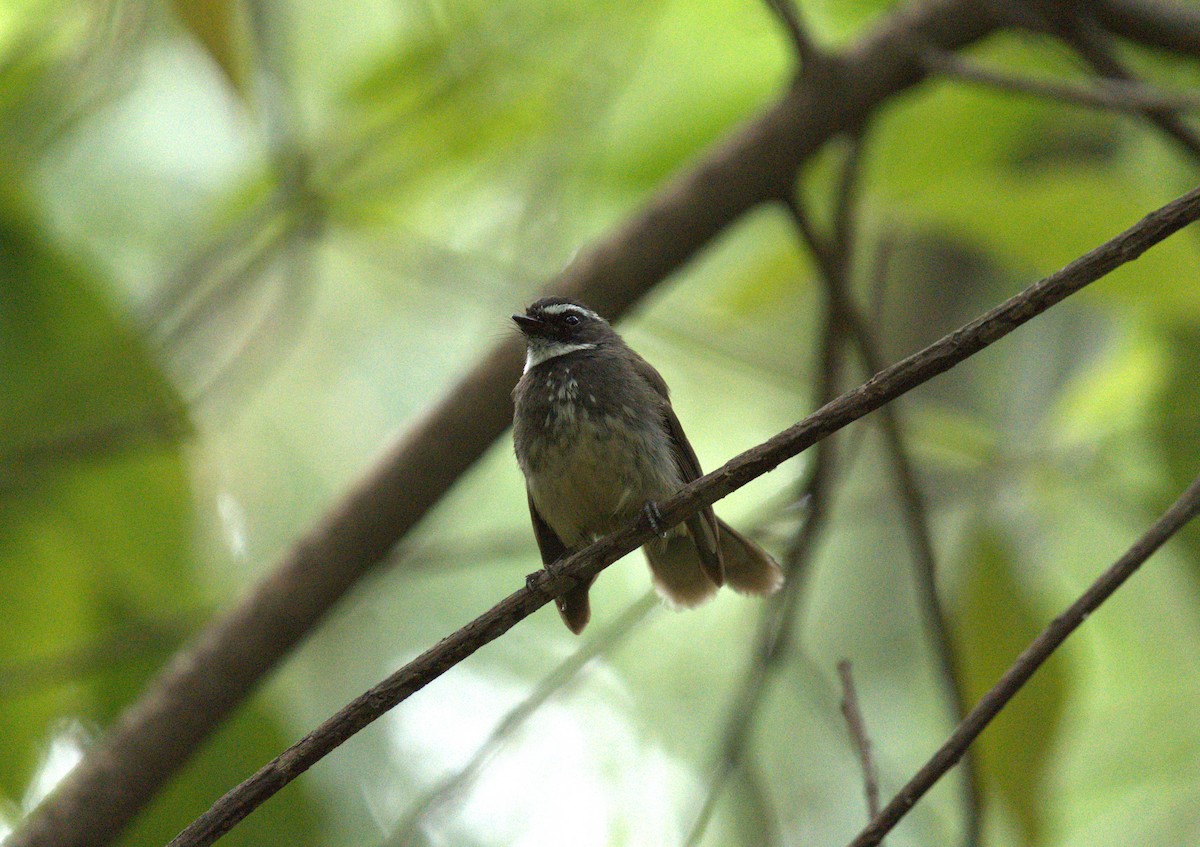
(753, 811)
(995, 620)
(219, 27)
(95, 505)
(1176, 423)
(475, 95)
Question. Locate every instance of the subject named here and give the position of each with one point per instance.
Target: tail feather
(678, 572)
(749, 569)
(574, 608)
(681, 577)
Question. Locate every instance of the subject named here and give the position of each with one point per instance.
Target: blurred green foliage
(95, 496)
(239, 252)
(996, 621)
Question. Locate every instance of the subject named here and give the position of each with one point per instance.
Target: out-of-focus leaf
(60, 62)
(1178, 404)
(755, 817)
(994, 621)
(691, 88)
(479, 91)
(467, 150)
(219, 26)
(94, 496)
(1176, 426)
(1038, 182)
(70, 365)
(950, 437)
(839, 20)
(1118, 394)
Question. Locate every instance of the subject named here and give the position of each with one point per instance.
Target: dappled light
(922, 278)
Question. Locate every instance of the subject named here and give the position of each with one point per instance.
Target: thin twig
(858, 734)
(1114, 94)
(207, 680)
(584, 565)
(834, 262)
(802, 43)
(915, 520)
(777, 620)
(1092, 43)
(773, 642)
(876, 296)
(453, 786)
(776, 630)
(1039, 650)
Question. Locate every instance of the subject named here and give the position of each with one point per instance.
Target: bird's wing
(703, 526)
(549, 544)
(573, 605)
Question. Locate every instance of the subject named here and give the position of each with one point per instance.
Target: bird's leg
(654, 517)
(554, 568)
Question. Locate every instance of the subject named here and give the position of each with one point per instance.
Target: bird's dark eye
(571, 320)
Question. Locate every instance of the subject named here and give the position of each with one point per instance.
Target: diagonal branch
(452, 789)
(857, 726)
(587, 563)
(206, 680)
(1049, 640)
(777, 619)
(1093, 45)
(1115, 93)
(789, 17)
(834, 262)
(1166, 25)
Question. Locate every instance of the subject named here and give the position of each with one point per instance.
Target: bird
(598, 443)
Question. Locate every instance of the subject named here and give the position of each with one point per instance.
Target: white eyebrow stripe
(542, 353)
(561, 308)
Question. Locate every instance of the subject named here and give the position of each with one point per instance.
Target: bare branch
(778, 619)
(584, 565)
(206, 680)
(1042, 647)
(1093, 44)
(858, 734)
(835, 262)
(1116, 94)
(1168, 26)
(453, 786)
(802, 43)
(196, 692)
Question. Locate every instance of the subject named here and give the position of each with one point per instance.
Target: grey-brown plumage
(597, 440)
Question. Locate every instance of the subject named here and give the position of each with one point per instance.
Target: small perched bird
(598, 442)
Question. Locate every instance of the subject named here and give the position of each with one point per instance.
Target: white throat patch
(543, 352)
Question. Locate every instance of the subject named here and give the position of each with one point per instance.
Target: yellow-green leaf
(995, 620)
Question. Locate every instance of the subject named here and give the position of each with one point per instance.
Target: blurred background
(242, 247)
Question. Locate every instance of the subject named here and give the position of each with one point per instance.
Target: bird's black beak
(528, 325)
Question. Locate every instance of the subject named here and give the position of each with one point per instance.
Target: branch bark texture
(757, 163)
(880, 389)
(1048, 640)
(207, 679)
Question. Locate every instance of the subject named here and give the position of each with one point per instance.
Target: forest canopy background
(243, 248)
